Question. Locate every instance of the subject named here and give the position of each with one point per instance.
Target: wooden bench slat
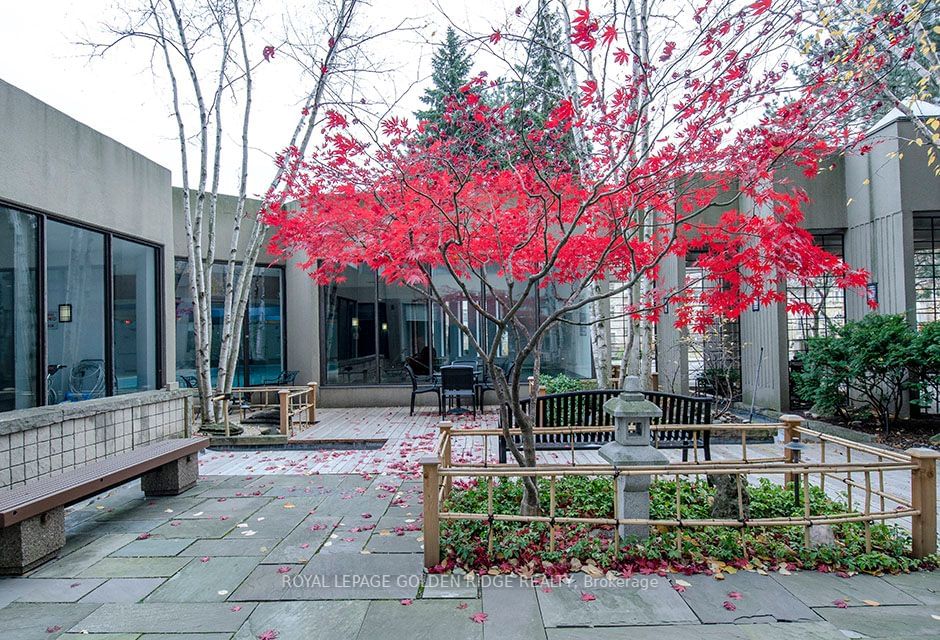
(32, 499)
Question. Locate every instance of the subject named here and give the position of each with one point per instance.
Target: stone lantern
(632, 414)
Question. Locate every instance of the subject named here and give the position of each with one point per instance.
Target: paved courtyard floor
(333, 557)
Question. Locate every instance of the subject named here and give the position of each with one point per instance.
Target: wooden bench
(32, 516)
(586, 409)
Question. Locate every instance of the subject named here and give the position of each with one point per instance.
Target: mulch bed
(903, 434)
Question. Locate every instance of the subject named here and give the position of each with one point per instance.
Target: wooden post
(446, 457)
(654, 381)
(311, 402)
(284, 400)
(228, 427)
(924, 499)
(790, 424)
(430, 471)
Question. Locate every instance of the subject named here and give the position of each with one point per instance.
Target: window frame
(42, 217)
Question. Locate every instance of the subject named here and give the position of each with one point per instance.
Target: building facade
(94, 295)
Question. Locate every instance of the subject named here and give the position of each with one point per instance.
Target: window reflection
(19, 335)
(75, 322)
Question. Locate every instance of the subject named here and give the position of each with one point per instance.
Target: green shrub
(870, 360)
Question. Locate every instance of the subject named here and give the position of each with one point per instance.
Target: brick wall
(41, 442)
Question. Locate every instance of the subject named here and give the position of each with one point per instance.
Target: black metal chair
(416, 390)
(458, 382)
(189, 382)
(284, 378)
(486, 383)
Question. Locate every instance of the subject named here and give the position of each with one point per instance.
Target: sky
(118, 95)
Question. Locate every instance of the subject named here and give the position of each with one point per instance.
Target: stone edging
(26, 419)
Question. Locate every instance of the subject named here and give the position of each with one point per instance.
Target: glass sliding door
(403, 332)
(350, 328)
(134, 300)
(75, 313)
(19, 310)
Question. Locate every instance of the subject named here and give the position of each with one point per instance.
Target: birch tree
(209, 52)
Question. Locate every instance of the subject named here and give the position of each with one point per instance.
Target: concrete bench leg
(27, 544)
(172, 478)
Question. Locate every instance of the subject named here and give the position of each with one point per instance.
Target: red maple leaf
(609, 34)
(268, 53)
(496, 36)
(760, 6)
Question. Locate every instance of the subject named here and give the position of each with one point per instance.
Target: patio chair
(188, 382)
(416, 390)
(284, 379)
(486, 383)
(457, 383)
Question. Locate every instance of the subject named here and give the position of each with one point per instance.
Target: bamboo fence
(866, 478)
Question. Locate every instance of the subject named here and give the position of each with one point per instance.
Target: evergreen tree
(451, 64)
(538, 87)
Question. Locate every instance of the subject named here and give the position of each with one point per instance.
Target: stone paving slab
(343, 541)
(347, 576)
(135, 567)
(209, 581)
(772, 631)
(465, 587)
(195, 528)
(646, 600)
(135, 527)
(306, 620)
(272, 521)
(762, 600)
(816, 589)
(923, 585)
(123, 590)
(213, 508)
(512, 610)
(266, 583)
(41, 621)
(304, 541)
(886, 622)
(153, 547)
(56, 589)
(159, 617)
(185, 636)
(99, 636)
(79, 560)
(386, 539)
(422, 620)
(231, 547)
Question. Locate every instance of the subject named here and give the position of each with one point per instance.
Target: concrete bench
(32, 517)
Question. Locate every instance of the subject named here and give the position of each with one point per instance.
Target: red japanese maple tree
(658, 148)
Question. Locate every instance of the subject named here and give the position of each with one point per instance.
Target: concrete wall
(51, 162)
(45, 441)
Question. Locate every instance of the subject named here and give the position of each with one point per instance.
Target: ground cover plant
(524, 548)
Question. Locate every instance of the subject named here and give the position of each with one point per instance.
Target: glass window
(75, 307)
(134, 269)
(19, 334)
(265, 329)
(566, 347)
(403, 332)
(350, 326)
(927, 267)
(714, 357)
(262, 335)
(825, 298)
